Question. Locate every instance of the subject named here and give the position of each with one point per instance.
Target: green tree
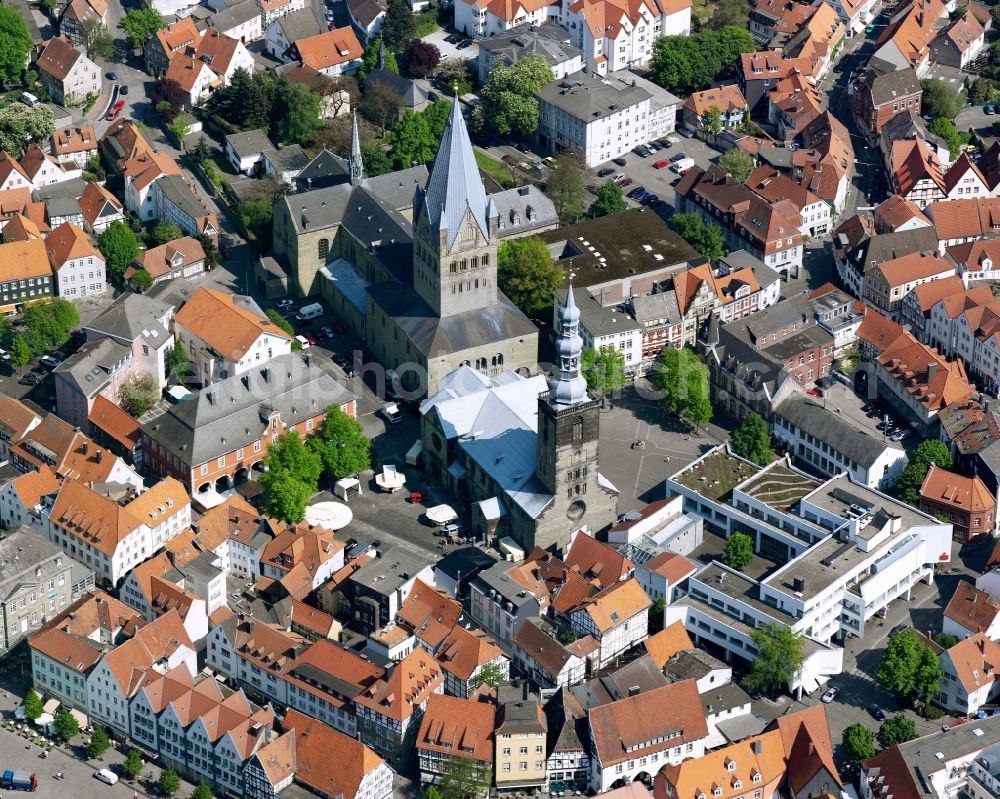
(738, 553)
(412, 142)
(285, 497)
(138, 394)
(369, 61)
(939, 99)
(927, 678)
(202, 791)
(736, 163)
(341, 445)
(673, 375)
(566, 187)
(141, 280)
(752, 440)
(714, 120)
(21, 125)
(380, 106)
(169, 781)
(140, 25)
(178, 363)
(48, 324)
(119, 246)
(20, 352)
(99, 743)
(707, 239)
(610, 200)
(246, 101)
(940, 126)
(507, 102)
(984, 91)
(945, 640)
(527, 274)
(656, 615)
(398, 25)
(96, 39)
(857, 744)
(603, 369)
(491, 674)
(896, 730)
(15, 42)
(699, 404)
(295, 115)
(256, 217)
(729, 12)
(848, 360)
(464, 778)
(132, 765)
(163, 232)
(430, 792)
(908, 666)
(926, 453)
(290, 454)
(779, 658)
(32, 705)
(686, 64)
(285, 325)
(376, 160)
(66, 725)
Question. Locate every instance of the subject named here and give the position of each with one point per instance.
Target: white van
(303, 342)
(391, 412)
(28, 99)
(309, 311)
(107, 776)
(683, 165)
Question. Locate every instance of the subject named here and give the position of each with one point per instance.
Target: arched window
(469, 233)
(481, 364)
(465, 265)
(578, 430)
(473, 262)
(323, 249)
(486, 259)
(498, 359)
(453, 267)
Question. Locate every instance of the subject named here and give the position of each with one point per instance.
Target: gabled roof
(94, 518)
(735, 769)
(228, 323)
(966, 494)
(971, 608)
(178, 35)
(895, 212)
(326, 760)
(95, 200)
(936, 382)
(616, 604)
(409, 684)
(31, 487)
(597, 561)
(24, 259)
(975, 661)
(636, 726)
(541, 647)
(59, 57)
(67, 242)
(464, 651)
(429, 613)
(914, 160)
(457, 727)
(329, 49)
(114, 422)
(669, 641)
(726, 98)
(929, 294)
(16, 418)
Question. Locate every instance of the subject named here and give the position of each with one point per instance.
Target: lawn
(427, 22)
(497, 170)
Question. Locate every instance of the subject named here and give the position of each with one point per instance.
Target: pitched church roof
(454, 184)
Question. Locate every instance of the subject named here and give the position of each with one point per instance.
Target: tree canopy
(169, 782)
(687, 64)
(857, 744)
(779, 658)
(610, 200)
(939, 99)
(67, 727)
(566, 187)
(752, 440)
(46, 325)
(464, 778)
(32, 705)
(896, 730)
(96, 38)
(603, 369)
(132, 765)
(295, 113)
(926, 453)
(398, 25)
(246, 101)
(420, 58)
(411, 140)
(21, 125)
(737, 164)
(909, 667)
(141, 24)
(738, 553)
(682, 379)
(164, 231)
(119, 246)
(99, 743)
(527, 274)
(507, 103)
(369, 61)
(707, 239)
(138, 393)
(341, 445)
(292, 474)
(15, 42)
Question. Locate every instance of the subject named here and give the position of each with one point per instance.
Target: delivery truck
(19, 780)
(683, 165)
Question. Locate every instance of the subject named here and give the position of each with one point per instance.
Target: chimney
(98, 455)
(757, 747)
(633, 690)
(931, 371)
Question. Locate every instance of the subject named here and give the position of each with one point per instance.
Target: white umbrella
(45, 719)
(331, 515)
(441, 514)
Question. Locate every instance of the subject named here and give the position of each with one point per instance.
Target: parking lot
(843, 400)
(452, 50)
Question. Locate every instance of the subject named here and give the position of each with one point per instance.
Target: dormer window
(730, 765)
(756, 776)
(716, 791)
(737, 783)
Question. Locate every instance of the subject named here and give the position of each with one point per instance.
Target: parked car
(4, 355)
(326, 333)
(50, 361)
(661, 164)
(619, 161)
(640, 151)
(619, 178)
(677, 157)
(626, 182)
(106, 776)
(649, 199)
(603, 173)
(876, 713)
(283, 303)
(112, 76)
(303, 342)
(636, 191)
(123, 89)
(830, 695)
(816, 392)
(115, 110)
(988, 110)
(656, 145)
(30, 380)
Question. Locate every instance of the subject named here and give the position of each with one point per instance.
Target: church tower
(456, 229)
(357, 167)
(567, 445)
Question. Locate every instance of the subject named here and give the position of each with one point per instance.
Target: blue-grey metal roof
(455, 186)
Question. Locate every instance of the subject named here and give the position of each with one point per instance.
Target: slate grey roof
(724, 698)
(635, 677)
(325, 170)
(586, 96)
(496, 578)
(249, 143)
(886, 246)
(454, 185)
(22, 551)
(399, 188)
(567, 723)
(853, 443)
(237, 14)
(521, 204)
(300, 24)
(549, 40)
(232, 413)
(321, 208)
(91, 367)
(178, 193)
(432, 334)
(286, 158)
(906, 126)
(408, 91)
(692, 664)
(463, 563)
(597, 320)
(387, 574)
(133, 316)
(886, 87)
(662, 305)
(365, 12)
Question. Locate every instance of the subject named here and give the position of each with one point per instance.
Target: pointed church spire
(381, 55)
(568, 387)
(357, 167)
(454, 186)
